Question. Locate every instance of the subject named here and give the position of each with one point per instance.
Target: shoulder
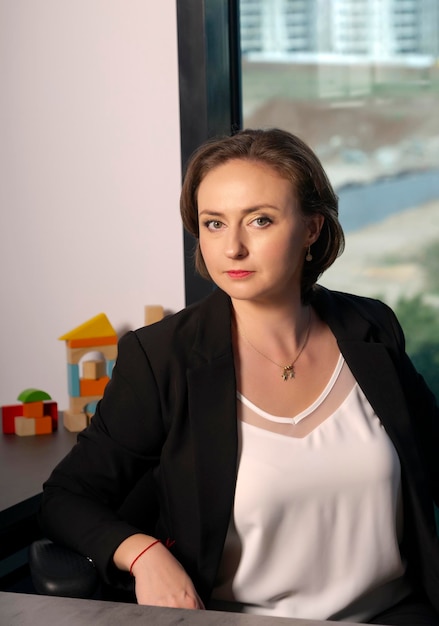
(324, 297)
(186, 329)
(348, 313)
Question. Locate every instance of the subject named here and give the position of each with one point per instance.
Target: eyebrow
(248, 211)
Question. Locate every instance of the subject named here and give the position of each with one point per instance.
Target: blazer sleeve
(124, 440)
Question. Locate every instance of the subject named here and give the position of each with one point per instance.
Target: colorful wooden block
(109, 366)
(153, 313)
(91, 343)
(77, 405)
(73, 380)
(93, 387)
(43, 425)
(74, 422)
(51, 410)
(33, 395)
(93, 369)
(9, 413)
(25, 426)
(74, 355)
(96, 327)
(33, 409)
(90, 409)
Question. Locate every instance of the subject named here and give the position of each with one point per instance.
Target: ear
(314, 224)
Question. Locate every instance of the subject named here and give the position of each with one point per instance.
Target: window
(359, 81)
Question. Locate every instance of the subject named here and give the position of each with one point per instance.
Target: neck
(279, 328)
(285, 316)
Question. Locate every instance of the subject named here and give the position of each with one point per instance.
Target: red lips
(238, 274)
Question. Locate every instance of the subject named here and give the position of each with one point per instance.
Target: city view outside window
(358, 80)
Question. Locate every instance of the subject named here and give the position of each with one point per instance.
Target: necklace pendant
(288, 372)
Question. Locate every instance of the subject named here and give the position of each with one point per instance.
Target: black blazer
(170, 411)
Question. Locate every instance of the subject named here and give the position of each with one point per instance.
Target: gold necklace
(288, 371)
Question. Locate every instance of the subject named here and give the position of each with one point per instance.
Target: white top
(317, 519)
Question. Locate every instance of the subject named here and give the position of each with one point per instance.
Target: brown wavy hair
(292, 159)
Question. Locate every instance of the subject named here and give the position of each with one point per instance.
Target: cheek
(281, 247)
(206, 248)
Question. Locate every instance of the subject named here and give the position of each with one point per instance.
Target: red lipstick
(238, 274)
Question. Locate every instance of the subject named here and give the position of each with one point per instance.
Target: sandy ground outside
(382, 260)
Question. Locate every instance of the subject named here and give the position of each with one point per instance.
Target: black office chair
(59, 571)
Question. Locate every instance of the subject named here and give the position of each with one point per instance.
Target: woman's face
(253, 235)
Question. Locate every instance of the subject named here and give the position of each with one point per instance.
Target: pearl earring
(308, 254)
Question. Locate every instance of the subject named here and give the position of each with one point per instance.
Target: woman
(291, 444)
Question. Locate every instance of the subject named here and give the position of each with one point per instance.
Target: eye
(213, 224)
(262, 222)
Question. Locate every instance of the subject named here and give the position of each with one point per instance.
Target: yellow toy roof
(98, 326)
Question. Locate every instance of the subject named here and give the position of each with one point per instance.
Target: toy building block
(43, 425)
(36, 414)
(25, 426)
(93, 387)
(75, 422)
(96, 331)
(77, 405)
(80, 411)
(33, 395)
(73, 380)
(51, 410)
(153, 313)
(90, 409)
(93, 369)
(33, 409)
(95, 335)
(74, 355)
(9, 413)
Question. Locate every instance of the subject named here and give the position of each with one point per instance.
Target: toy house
(87, 378)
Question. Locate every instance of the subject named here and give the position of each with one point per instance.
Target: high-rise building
(370, 30)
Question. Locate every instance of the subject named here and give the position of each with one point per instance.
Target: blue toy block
(109, 367)
(73, 380)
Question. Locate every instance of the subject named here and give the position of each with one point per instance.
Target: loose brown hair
(292, 159)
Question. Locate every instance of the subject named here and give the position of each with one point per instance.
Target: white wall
(89, 176)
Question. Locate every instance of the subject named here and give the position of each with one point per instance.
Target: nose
(235, 245)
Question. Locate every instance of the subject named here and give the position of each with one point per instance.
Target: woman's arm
(160, 580)
(124, 440)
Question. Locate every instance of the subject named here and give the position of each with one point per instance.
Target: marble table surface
(18, 609)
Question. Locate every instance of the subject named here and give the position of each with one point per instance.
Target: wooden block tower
(87, 386)
(36, 415)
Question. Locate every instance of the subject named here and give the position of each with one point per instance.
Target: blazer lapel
(371, 364)
(212, 410)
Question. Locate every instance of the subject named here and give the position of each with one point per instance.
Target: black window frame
(209, 60)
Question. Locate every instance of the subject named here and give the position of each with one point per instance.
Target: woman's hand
(160, 580)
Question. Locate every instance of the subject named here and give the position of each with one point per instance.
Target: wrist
(141, 553)
(130, 548)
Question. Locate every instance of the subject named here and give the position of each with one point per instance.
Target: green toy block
(33, 395)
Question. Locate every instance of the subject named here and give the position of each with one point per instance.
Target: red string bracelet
(141, 553)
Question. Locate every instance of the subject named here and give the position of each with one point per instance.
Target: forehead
(245, 176)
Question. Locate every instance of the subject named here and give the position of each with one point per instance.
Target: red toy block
(51, 410)
(9, 413)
